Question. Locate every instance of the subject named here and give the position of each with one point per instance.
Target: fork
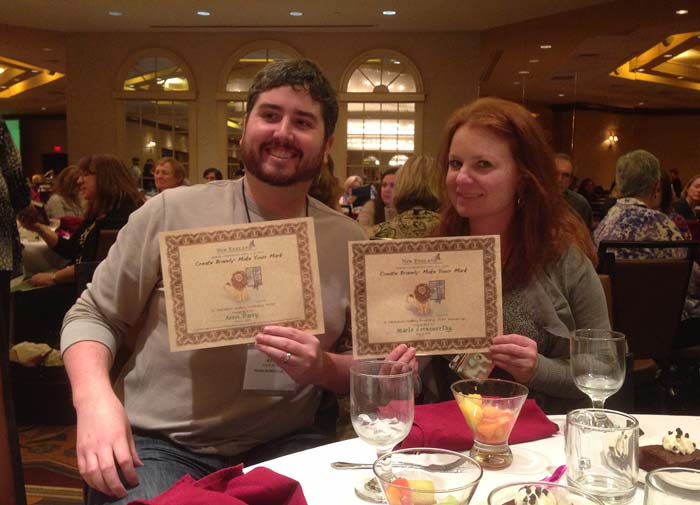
(432, 467)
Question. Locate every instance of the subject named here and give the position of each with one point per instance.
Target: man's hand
(516, 354)
(104, 442)
(298, 353)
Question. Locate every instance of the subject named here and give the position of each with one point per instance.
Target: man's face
(283, 141)
(565, 172)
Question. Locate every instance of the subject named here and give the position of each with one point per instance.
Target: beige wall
(449, 76)
(39, 135)
(673, 138)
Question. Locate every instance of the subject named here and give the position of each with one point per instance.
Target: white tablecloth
(36, 255)
(532, 461)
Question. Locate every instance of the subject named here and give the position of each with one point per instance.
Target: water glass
(672, 486)
(602, 453)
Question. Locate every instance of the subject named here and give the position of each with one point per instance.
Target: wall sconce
(612, 139)
(151, 144)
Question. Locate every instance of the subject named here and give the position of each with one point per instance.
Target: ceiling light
(524, 72)
(203, 13)
(43, 108)
(680, 77)
(47, 49)
(641, 103)
(115, 13)
(35, 71)
(682, 12)
(546, 46)
(389, 13)
(2, 70)
(516, 83)
(561, 95)
(534, 60)
(668, 55)
(640, 70)
(296, 14)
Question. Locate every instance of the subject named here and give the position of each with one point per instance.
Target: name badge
(263, 376)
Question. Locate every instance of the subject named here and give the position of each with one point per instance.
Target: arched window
(383, 92)
(236, 80)
(155, 88)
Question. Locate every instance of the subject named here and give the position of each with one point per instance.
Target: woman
(212, 174)
(380, 209)
(65, 200)
(169, 173)
(417, 197)
(690, 199)
(501, 180)
(347, 198)
(110, 194)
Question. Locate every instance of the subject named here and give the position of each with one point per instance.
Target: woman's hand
(516, 354)
(42, 279)
(296, 352)
(27, 217)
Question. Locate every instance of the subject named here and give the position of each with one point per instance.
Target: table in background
(36, 255)
(532, 461)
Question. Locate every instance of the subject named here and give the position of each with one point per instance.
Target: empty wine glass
(381, 411)
(598, 363)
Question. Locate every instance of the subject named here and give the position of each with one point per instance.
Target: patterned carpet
(50, 468)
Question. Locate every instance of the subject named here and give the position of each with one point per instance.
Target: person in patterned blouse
(417, 197)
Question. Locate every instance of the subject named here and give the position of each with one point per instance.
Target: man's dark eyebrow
(299, 112)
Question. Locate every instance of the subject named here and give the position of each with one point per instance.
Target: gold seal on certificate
(439, 295)
(223, 284)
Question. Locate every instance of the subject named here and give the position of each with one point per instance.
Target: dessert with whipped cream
(535, 495)
(676, 449)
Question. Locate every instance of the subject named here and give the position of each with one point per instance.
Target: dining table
(36, 255)
(532, 461)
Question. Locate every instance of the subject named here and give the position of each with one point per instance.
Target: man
(190, 411)
(565, 171)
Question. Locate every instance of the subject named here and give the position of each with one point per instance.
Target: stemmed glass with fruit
(381, 411)
(490, 408)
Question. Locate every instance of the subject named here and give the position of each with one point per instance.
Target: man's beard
(306, 170)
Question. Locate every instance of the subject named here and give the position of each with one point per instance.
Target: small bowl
(490, 408)
(426, 476)
(516, 494)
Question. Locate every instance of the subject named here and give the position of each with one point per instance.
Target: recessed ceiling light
(389, 12)
(524, 72)
(43, 108)
(2, 70)
(115, 13)
(668, 55)
(516, 83)
(545, 46)
(682, 12)
(561, 95)
(35, 71)
(203, 13)
(296, 14)
(534, 60)
(680, 77)
(641, 70)
(640, 103)
(47, 49)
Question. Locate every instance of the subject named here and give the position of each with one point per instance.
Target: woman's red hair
(543, 226)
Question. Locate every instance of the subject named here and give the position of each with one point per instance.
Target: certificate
(223, 284)
(439, 295)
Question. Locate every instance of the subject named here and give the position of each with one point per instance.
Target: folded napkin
(231, 486)
(442, 425)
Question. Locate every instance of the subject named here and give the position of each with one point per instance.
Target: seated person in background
(565, 172)
(110, 194)
(347, 198)
(189, 410)
(169, 173)
(65, 200)
(501, 179)
(417, 197)
(212, 174)
(379, 210)
(635, 216)
(690, 199)
(325, 187)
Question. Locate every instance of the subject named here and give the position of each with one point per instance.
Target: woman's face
(387, 189)
(88, 185)
(165, 177)
(482, 178)
(694, 191)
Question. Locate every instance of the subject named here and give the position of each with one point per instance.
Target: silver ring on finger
(287, 357)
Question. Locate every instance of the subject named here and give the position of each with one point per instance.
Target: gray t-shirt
(195, 398)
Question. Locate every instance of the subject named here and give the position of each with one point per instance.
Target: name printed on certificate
(439, 295)
(224, 284)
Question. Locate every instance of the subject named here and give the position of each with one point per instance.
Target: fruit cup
(490, 408)
(426, 476)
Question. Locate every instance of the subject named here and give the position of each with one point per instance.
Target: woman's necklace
(245, 203)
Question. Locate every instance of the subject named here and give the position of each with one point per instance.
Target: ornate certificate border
(170, 243)
(358, 252)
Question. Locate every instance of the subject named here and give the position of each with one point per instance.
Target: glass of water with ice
(381, 411)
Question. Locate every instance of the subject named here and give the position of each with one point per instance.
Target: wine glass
(381, 411)
(598, 363)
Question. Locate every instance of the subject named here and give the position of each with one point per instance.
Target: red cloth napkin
(230, 486)
(442, 425)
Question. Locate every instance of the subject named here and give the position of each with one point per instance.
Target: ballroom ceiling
(588, 41)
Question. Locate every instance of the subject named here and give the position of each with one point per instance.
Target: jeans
(165, 463)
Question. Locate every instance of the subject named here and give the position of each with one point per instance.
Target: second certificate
(439, 295)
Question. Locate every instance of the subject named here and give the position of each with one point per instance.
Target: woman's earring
(517, 201)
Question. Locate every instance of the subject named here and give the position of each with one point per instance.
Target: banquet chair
(105, 240)
(11, 473)
(647, 301)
